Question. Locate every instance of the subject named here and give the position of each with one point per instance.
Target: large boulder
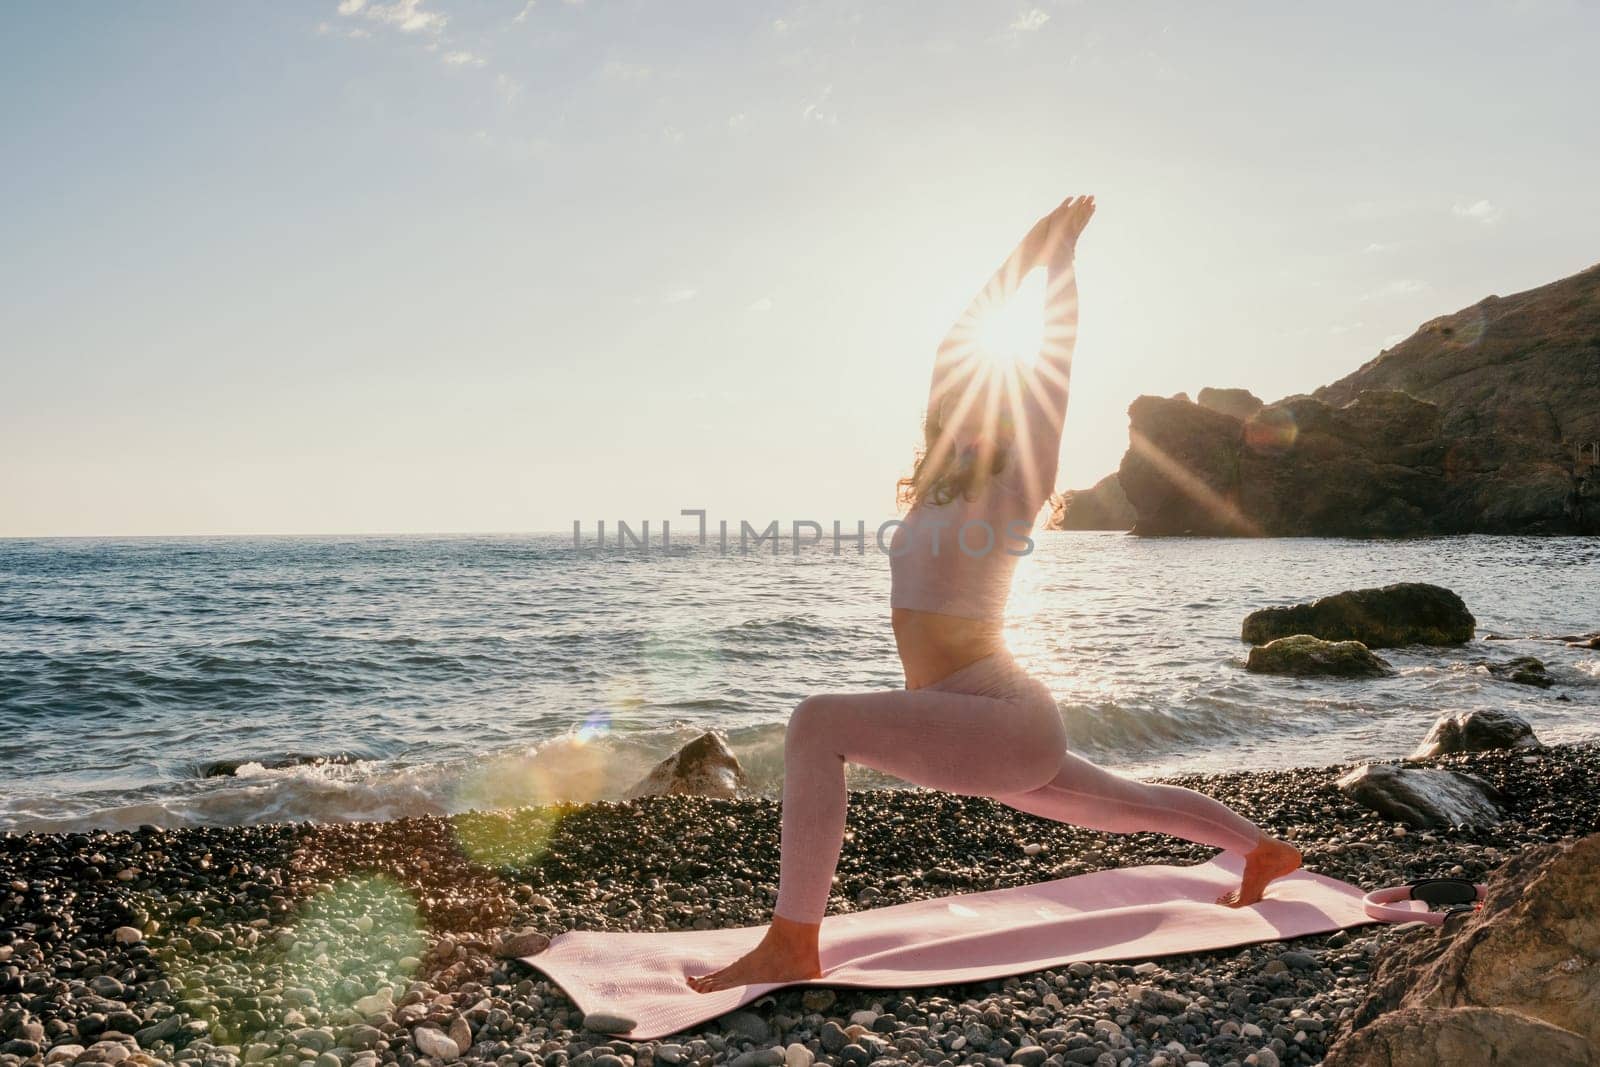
(1303, 655)
(1428, 1037)
(705, 767)
(1531, 953)
(1406, 613)
(1485, 421)
(1423, 797)
(1103, 507)
(1475, 731)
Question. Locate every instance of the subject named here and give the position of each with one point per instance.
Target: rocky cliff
(1103, 507)
(1486, 421)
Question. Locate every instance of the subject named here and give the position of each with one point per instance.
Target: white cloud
(508, 88)
(735, 121)
(1480, 211)
(405, 15)
(522, 16)
(779, 25)
(1377, 247)
(762, 305)
(680, 296)
(1344, 327)
(350, 7)
(462, 58)
(1030, 20)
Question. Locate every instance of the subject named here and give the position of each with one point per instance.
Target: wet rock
(703, 767)
(1524, 670)
(1422, 797)
(1302, 655)
(1475, 731)
(1407, 613)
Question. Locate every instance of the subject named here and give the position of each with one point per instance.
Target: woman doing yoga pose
(970, 720)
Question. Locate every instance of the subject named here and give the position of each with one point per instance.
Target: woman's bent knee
(807, 722)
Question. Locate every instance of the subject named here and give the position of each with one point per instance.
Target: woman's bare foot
(787, 953)
(1268, 860)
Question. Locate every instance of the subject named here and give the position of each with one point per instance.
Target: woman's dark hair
(963, 470)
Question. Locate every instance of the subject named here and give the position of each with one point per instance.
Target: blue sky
(468, 265)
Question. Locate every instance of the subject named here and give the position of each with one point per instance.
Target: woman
(970, 720)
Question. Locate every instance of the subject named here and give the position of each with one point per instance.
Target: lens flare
(1271, 430)
(352, 941)
(507, 840)
(1014, 330)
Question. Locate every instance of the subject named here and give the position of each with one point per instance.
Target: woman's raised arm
(1032, 398)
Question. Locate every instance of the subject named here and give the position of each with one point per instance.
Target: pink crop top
(958, 558)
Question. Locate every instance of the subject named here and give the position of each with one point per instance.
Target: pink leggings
(986, 730)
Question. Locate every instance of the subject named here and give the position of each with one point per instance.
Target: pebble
(764, 1057)
(253, 940)
(524, 942)
(606, 1022)
(435, 1044)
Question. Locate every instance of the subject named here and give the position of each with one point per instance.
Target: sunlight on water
(489, 673)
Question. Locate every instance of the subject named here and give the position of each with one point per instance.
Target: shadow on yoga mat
(1130, 913)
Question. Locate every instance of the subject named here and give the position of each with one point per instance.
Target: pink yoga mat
(1131, 913)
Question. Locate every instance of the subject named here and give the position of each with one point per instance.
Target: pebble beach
(347, 945)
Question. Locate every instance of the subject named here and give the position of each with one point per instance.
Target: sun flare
(1014, 330)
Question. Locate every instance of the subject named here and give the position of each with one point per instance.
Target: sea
(183, 681)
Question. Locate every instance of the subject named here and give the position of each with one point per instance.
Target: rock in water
(1303, 655)
(1407, 613)
(704, 767)
(1422, 797)
(1524, 670)
(1591, 641)
(1529, 954)
(1103, 507)
(1475, 731)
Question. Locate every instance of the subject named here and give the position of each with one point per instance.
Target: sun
(1014, 330)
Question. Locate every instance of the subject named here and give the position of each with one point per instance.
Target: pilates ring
(1450, 896)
